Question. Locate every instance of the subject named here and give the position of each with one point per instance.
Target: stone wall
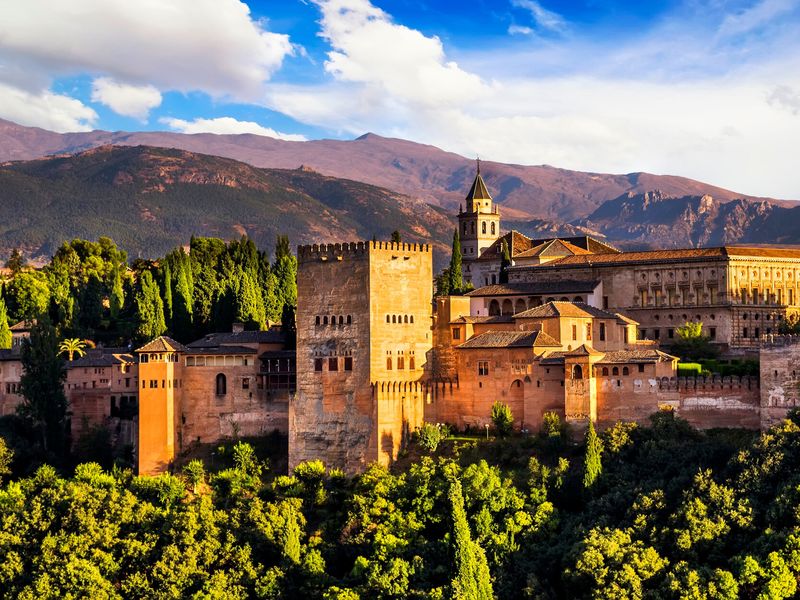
(780, 377)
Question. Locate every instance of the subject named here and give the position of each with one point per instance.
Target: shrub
(551, 425)
(689, 369)
(502, 418)
(429, 436)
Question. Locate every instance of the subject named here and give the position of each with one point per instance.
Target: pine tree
(593, 466)
(42, 387)
(505, 262)
(456, 278)
(472, 579)
(5, 331)
(396, 237)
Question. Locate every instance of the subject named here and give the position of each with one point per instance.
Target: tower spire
(478, 160)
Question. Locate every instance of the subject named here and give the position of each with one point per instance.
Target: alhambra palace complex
(575, 330)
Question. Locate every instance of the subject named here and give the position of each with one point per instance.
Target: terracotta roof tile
(565, 309)
(509, 339)
(484, 319)
(536, 289)
(271, 336)
(162, 344)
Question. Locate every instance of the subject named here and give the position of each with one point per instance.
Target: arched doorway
(519, 306)
(494, 308)
(508, 307)
(577, 372)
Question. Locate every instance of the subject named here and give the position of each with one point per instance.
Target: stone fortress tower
(363, 337)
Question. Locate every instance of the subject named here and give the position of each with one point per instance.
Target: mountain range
(332, 190)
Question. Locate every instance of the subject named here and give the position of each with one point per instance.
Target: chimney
(237, 328)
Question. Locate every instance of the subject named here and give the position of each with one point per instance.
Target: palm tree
(72, 346)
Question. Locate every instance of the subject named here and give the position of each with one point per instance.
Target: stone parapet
(340, 251)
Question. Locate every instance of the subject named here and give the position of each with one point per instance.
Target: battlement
(713, 383)
(322, 252)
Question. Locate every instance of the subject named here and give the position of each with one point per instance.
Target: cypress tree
(5, 331)
(505, 262)
(166, 288)
(249, 304)
(150, 308)
(285, 270)
(593, 466)
(182, 305)
(456, 278)
(117, 296)
(472, 580)
(42, 387)
(396, 237)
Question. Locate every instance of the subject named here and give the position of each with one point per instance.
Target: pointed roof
(162, 344)
(478, 191)
(584, 350)
(509, 339)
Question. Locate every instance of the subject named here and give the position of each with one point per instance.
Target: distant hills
(152, 199)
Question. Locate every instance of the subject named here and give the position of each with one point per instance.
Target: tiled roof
(484, 319)
(636, 356)
(517, 243)
(271, 336)
(536, 289)
(585, 242)
(763, 252)
(278, 354)
(565, 309)
(478, 191)
(101, 359)
(162, 344)
(583, 350)
(552, 246)
(220, 350)
(23, 325)
(509, 339)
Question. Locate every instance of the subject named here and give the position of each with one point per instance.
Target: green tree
(592, 466)
(6, 457)
(692, 344)
(182, 325)
(505, 261)
(16, 262)
(502, 418)
(249, 303)
(5, 330)
(28, 295)
(42, 387)
(442, 283)
(149, 308)
(167, 284)
(285, 270)
(117, 296)
(195, 472)
(472, 580)
(456, 283)
(396, 237)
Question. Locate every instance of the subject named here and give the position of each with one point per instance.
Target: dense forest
(634, 512)
(88, 290)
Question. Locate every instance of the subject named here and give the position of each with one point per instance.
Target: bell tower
(478, 223)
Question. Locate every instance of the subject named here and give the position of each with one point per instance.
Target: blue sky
(708, 89)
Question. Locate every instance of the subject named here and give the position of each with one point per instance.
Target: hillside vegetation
(673, 513)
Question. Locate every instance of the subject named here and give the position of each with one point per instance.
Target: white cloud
(785, 97)
(227, 125)
(137, 49)
(129, 100)
(515, 29)
(585, 115)
(545, 19)
(754, 17)
(45, 109)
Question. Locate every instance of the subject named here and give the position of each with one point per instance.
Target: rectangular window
(388, 363)
(483, 368)
(333, 363)
(456, 333)
(744, 332)
(411, 363)
(656, 334)
(756, 332)
(317, 365)
(744, 295)
(246, 383)
(791, 297)
(605, 302)
(574, 332)
(602, 332)
(348, 363)
(780, 296)
(589, 331)
(712, 333)
(644, 297)
(670, 333)
(641, 368)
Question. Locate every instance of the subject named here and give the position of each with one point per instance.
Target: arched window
(222, 384)
(411, 364)
(626, 371)
(605, 371)
(519, 306)
(411, 318)
(349, 319)
(341, 320)
(325, 320)
(577, 299)
(405, 319)
(577, 372)
(493, 229)
(317, 320)
(483, 227)
(388, 319)
(333, 320)
(508, 308)
(494, 308)
(615, 371)
(394, 318)
(388, 363)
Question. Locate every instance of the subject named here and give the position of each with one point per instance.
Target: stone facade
(780, 377)
(363, 339)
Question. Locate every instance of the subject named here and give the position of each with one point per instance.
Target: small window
(401, 363)
(325, 320)
(605, 372)
(405, 319)
(394, 318)
(388, 318)
(574, 332)
(456, 333)
(602, 332)
(316, 321)
(671, 333)
(349, 319)
(388, 363)
(483, 367)
(222, 384)
(333, 363)
(348, 363)
(411, 364)
(317, 365)
(246, 383)
(341, 320)
(589, 331)
(411, 318)
(493, 230)
(615, 371)
(626, 371)
(712, 333)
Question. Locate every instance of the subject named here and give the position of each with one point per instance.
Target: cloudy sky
(708, 89)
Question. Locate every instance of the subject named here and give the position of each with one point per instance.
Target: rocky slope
(420, 171)
(151, 199)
